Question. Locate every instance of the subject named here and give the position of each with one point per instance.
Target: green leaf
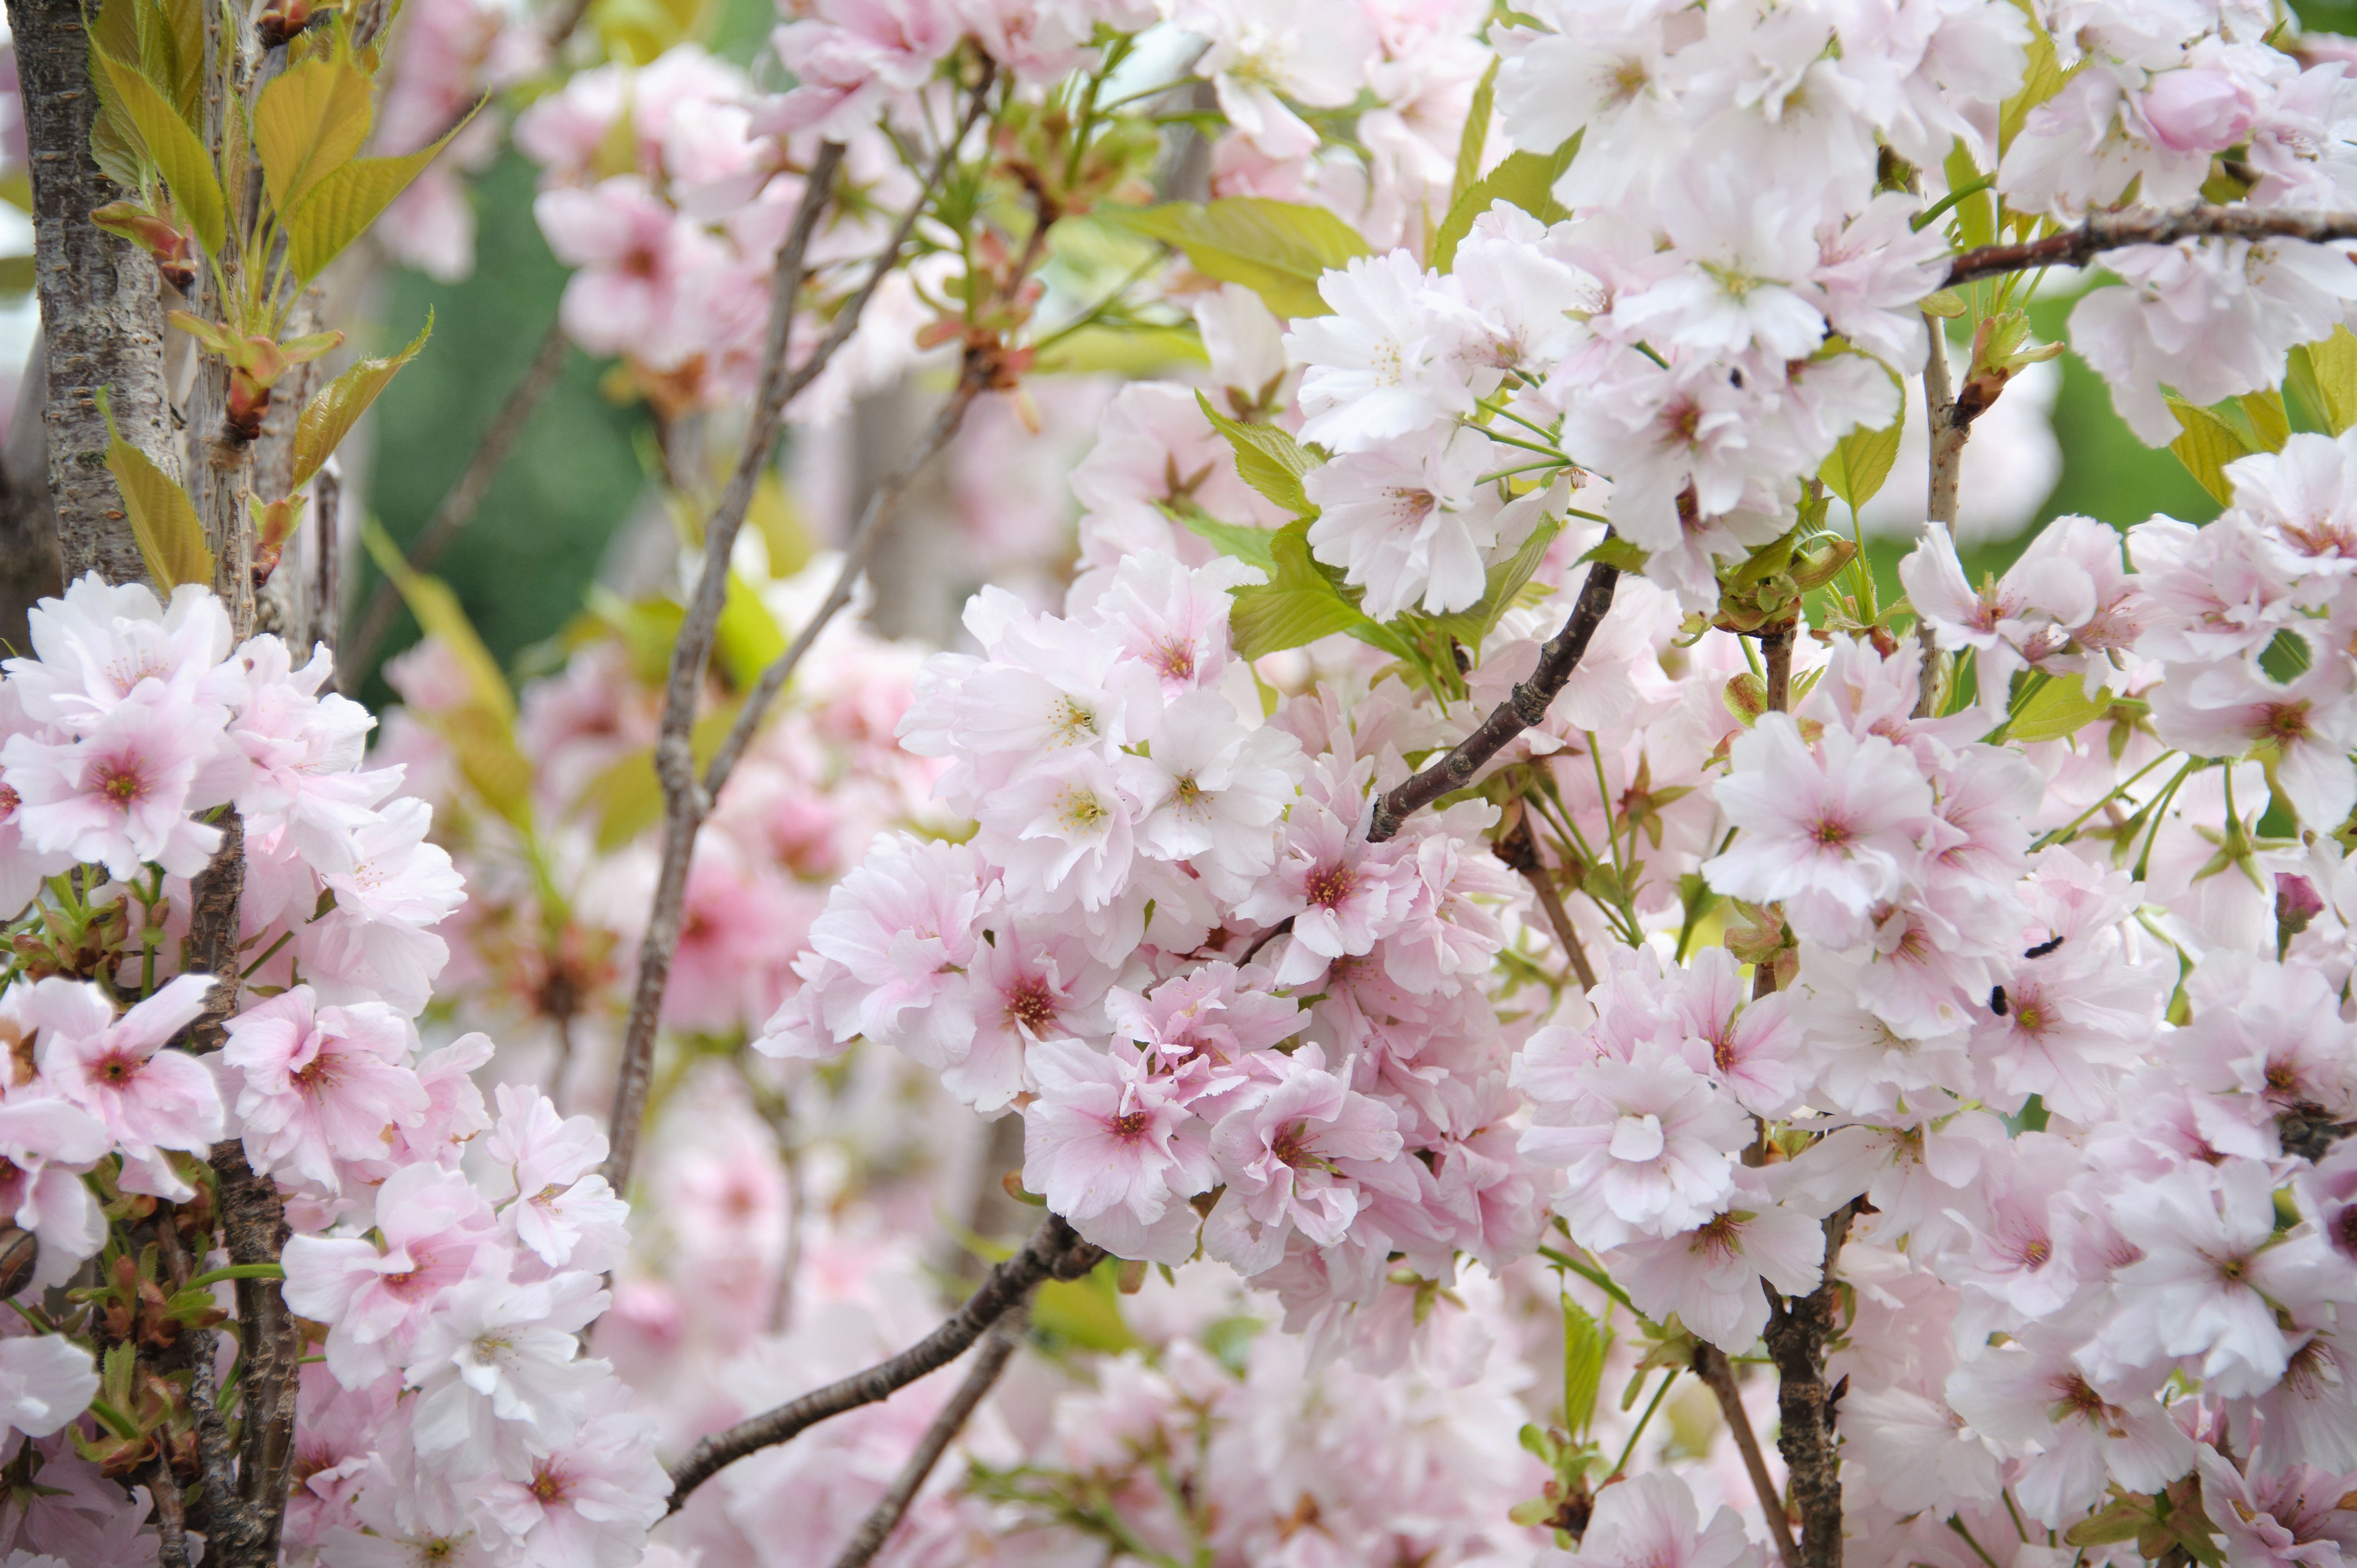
(2205, 445)
(163, 520)
(1585, 1343)
(747, 639)
(329, 416)
(2059, 708)
(2268, 421)
(1861, 461)
(1614, 551)
(440, 615)
(1085, 1312)
(308, 124)
(1976, 214)
(1134, 351)
(1267, 459)
(341, 206)
(2043, 78)
(167, 142)
(2326, 374)
(1525, 180)
(626, 800)
(1254, 546)
(1277, 249)
(15, 274)
(1296, 606)
(1476, 136)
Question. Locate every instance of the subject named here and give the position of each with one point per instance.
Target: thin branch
(997, 1348)
(463, 499)
(1947, 445)
(1518, 847)
(1798, 1328)
(1525, 707)
(2075, 247)
(686, 799)
(171, 1526)
(1711, 1366)
(1053, 1252)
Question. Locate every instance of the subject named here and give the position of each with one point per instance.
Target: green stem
(1644, 1420)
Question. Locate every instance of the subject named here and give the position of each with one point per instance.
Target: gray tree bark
(101, 309)
(29, 569)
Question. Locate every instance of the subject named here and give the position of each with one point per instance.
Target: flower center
(1329, 886)
(1030, 1005)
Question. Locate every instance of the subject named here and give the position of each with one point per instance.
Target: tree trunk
(101, 311)
(29, 570)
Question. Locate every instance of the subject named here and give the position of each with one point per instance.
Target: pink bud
(2197, 111)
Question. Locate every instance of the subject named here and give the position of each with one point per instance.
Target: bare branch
(463, 500)
(2075, 247)
(1526, 706)
(997, 1348)
(1711, 1366)
(1947, 441)
(1798, 1328)
(1518, 847)
(685, 798)
(1053, 1253)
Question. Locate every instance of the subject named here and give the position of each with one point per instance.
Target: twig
(2077, 246)
(463, 499)
(1776, 654)
(1518, 847)
(171, 1524)
(685, 800)
(1798, 1328)
(1525, 707)
(1053, 1252)
(1947, 439)
(997, 1348)
(1711, 1366)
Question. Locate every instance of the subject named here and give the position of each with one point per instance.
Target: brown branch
(1518, 847)
(685, 798)
(997, 1348)
(463, 499)
(1948, 437)
(1798, 1328)
(1711, 1366)
(254, 1225)
(1525, 707)
(2075, 247)
(1053, 1253)
(1776, 653)
(171, 1523)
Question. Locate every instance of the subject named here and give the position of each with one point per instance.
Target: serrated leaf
(2123, 1521)
(1614, 551)
(166, 140)
(1585, 1344)
(1279, 250)
(1474, 137)
(2326, 373)
(2205, 445)
(163, 520)
(329, 416)
(1525, 180)
(2059, 708)
(341, 206)
(1268, 458)
(1861, 460)
(312, 121)
(1254, 546)
(1298, 606)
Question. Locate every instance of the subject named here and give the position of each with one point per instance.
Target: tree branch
(685, 798)
(101, 311)
(1053, 1253)
(1518, 847)
(460, 505)
(1519, 711)
(1947, 443)
(997, 1348)
(2075, 247)
(1798, 1328)
(1711, 1366)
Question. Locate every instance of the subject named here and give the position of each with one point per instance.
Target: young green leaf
(2326, 374)
(1472, 627)
(1475, 138)
(341, 206)
(1253, 546)
(1299, 605)
(1277, 249)
(308, 124)
(163, 520)
(2269, 422)
(329, 416)
(2059, 708)
(1525, 180)
(2205, 445)
(166, 140)
(439, 613)
(1267, 459)
(1860, 463)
